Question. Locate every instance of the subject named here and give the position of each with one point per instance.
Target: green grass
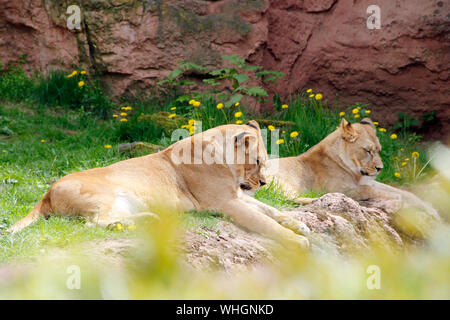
(28, 166)
(274, 196)
(56, 89)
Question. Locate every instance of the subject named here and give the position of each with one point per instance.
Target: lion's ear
(348, 131)
(367, 121)
(253, 124)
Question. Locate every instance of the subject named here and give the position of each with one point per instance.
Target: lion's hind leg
(304, 201)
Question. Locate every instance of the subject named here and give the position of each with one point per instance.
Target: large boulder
(339, 226)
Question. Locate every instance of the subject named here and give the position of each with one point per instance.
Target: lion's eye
(368, 151)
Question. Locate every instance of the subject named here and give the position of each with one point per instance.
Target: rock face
(402, 67)
(325, 45)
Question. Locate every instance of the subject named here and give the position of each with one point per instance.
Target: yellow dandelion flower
(196, 103)
(359, 108)
(341, 114)
(271, 128)
(70, 75)
(393, 136)
(356, 116)
(397, 175)
(173, 115)
(83, 72)
(319, 96)
(123, 120)
(294, 134)
(42, 140)
(115, 115)
(173, 108)
(395, 158)
(280, 141)
(237, 104)
(239, 122)
(309, 90)
(131, 227)
(367, 111)
(191, 130)
(404, 163)
(81, 83)
(123, 114)
(191, 102)
(356, 110)
(283, 131)
(4, 151)
(238, 114)
(220, 106)
(119, 226)
(185, 126)
(382, 130)
(406, 159)
(311, 95)
(415, 154)
(108, 146)
(376, 123)
(284, 106)
(191, 122)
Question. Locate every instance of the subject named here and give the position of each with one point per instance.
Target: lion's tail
(43, 208)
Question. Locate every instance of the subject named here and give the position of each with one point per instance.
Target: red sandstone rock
(324, 45)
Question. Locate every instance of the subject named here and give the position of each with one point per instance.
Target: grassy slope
(29, 166)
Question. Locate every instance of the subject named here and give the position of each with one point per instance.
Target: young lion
(194, 173)
(346, 161)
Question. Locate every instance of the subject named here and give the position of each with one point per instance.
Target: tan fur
(346, 161)
(137, 187)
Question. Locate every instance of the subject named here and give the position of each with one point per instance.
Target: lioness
(346, 161)
(180, 178)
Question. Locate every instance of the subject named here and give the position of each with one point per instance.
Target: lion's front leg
(254, 219)
(282, 218)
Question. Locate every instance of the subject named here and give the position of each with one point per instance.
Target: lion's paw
(303, 242)
(296, 226)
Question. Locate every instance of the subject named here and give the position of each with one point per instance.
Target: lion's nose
(262, 183)
(379, 168)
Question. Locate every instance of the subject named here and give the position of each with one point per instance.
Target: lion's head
(361, 146)
(250, 172)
